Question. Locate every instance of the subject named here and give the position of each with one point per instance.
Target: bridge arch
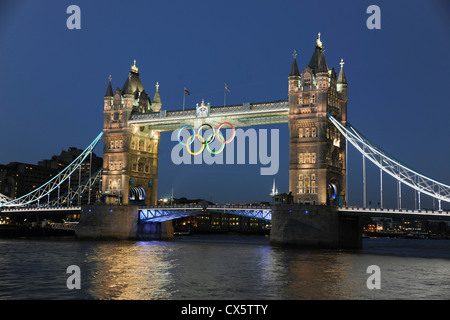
(333, 191)
(137, 195)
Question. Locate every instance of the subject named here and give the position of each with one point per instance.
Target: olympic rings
(232, 137)
(179, 133)
(209, 140)
(210, 126)
(221, 148)
(189, 149)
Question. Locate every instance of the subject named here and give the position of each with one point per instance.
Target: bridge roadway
(242, 115)
(169, 212)
(39, 209)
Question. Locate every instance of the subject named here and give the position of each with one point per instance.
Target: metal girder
(393, 167)
(68, 197)
(47, 188)
(163, 214)
(4, 199)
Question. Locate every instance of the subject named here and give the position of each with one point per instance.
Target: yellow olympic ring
(189, 149)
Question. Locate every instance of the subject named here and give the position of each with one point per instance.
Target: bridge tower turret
(130, 155)
(316, 148)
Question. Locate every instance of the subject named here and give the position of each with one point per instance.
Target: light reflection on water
(222, 267)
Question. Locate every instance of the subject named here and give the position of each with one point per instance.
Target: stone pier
(115, 222)
(315, 226)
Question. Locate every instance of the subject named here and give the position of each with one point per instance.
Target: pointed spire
(319, 42)
(341, 78)
(318, 62)
(109, 91)
(134, 68)
(127, 89)
(294, 67)
(157, 98)
(274, 189)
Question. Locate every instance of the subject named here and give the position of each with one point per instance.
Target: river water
(221, 267)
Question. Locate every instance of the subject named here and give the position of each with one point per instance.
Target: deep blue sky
(53, 79)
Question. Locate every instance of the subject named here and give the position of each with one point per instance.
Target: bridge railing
(187, 206)
(40, 209)
(424, 211)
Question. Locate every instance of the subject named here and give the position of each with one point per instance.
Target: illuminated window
(307, 132)
(313, 132)
(313, 158)
(307, 158)
(307, 185)
(300, 177)
(300, 187)
(306, 99)
(300, 133)
(300, 158)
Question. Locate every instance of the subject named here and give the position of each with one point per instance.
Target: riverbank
(405, 235)
(22, 231)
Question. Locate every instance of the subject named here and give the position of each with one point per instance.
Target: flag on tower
(226, 87)
(187, 92)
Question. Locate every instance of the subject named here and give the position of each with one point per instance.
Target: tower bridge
(319, 134)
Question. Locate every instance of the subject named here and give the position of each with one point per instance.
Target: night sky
(53, 79)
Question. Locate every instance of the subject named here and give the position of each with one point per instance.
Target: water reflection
(316, 274)
(127, 270)
(222, 267)
(226, 268)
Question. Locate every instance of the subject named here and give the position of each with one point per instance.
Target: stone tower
(317, 150)
(130, 154)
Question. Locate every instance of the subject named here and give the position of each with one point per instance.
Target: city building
(18, 179)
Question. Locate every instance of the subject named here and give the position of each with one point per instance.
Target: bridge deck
(164, 213)
(244, 115)
(439, 214)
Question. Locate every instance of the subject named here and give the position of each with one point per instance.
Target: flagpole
(224, 96)
(184, 97)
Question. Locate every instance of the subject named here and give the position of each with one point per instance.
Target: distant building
(216, 222)
(18, 179)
